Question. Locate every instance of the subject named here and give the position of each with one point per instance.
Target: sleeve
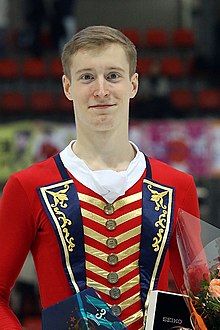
(189, 203)
(16, 235)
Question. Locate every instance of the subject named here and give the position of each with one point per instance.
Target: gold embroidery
(169, 191)
(62, 217)
(157, 240)
(157, 198)
(69, 241)
(57, 215)
(159, 223)
(59, 199)
(162, 218)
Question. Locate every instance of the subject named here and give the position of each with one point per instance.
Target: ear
(134, 85)
(66, 87)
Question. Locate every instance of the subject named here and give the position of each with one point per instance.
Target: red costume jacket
(24, 226)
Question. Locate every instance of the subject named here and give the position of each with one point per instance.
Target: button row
(112, 259)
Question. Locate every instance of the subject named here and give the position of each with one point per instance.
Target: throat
(101, 158)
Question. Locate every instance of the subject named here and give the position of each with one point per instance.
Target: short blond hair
(98, 36)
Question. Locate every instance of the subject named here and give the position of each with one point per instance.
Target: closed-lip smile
(101, 106)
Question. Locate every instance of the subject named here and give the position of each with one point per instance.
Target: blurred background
(175, 116)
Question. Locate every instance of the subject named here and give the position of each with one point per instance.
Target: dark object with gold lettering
(84, 310)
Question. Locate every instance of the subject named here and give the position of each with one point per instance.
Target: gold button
(110, 224)
(112, 277)
(111, 242)
(115, 293)
(112, 259)
(116, 309)
(109, 209)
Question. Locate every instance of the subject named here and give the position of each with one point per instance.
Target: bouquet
(199, 247)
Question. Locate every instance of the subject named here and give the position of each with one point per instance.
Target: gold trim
(120, 220)
(103, 273)
(168, 208)
(129, 234)
(127, 200)
(120, 238)
(121, 255)
(133, 318)
(157, 198)
(131, 300)
(44, 191)
(159, 223)
(105, 289)
(129, 216)
(117, 205)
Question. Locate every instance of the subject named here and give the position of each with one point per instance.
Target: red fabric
(24, 226)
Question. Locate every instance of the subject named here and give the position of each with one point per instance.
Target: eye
(87, 77)
(113, 76)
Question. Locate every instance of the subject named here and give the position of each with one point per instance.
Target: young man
(99, 214)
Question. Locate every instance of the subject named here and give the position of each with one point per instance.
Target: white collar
(107, 183)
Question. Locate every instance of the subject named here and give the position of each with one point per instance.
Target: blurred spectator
(4, 23)
(200, 66)
(34, 16)
(63, 22)
(216, 55)
(153, 96)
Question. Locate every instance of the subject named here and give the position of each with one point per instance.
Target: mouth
(101, 106)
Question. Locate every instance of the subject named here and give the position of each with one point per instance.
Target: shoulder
(167, 174)
(183, 183)
(40, 173)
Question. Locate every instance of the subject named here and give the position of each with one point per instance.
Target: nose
(101, 88)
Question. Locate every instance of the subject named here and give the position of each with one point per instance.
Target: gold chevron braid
(120, 220)
(120, 238)
(103, 273)
(133, 318)
(117, 205)
(105, 289)
(130, 301)
(121, 255)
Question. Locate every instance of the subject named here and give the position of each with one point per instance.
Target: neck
(104, 152)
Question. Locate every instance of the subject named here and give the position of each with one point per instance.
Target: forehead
(102, 55)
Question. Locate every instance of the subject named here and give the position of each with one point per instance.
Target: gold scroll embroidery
(157, 198)
(163, 223)
(159, 223)
(60, 198)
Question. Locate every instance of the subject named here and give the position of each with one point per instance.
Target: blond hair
(98, 36)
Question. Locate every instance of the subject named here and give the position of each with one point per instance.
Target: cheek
(79, 96)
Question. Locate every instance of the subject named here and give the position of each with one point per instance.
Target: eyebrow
(90, 69)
